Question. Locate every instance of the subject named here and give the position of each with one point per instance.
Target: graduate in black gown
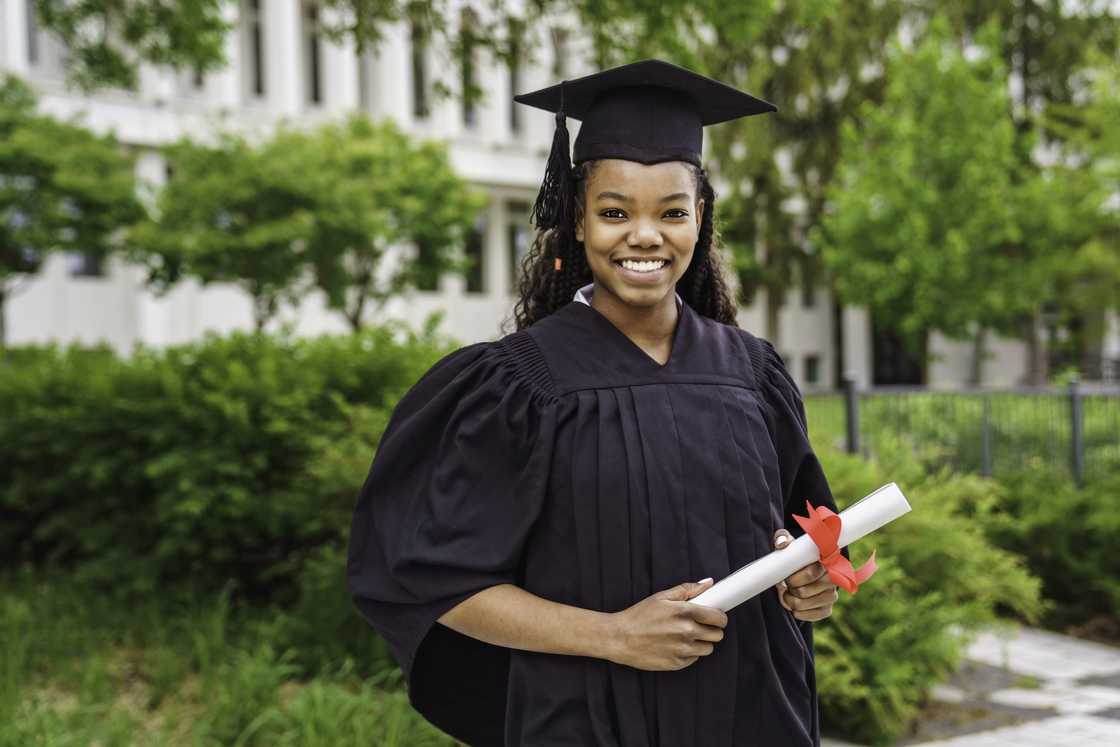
(576, 479)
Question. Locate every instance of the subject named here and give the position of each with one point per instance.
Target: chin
(645, 297)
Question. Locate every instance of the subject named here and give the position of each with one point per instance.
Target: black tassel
(553, 208)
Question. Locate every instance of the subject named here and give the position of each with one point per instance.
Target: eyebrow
(624, 198)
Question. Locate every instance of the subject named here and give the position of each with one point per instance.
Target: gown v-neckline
(632, 347)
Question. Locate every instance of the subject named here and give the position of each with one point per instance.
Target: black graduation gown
(566, 460)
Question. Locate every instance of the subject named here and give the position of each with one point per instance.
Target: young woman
(542, 507)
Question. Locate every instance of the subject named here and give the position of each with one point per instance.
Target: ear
(579, 226)
(699, 212)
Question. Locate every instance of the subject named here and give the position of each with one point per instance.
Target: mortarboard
(648, 111)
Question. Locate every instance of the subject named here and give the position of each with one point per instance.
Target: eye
(606, 212)
(681, 213)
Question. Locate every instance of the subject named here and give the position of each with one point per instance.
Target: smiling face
(649, 213)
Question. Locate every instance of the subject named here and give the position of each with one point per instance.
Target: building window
(312, 55)
(253, 49)
(808, 284)
(559, 53)
(32, 34)
(475, 251)
(419, 43)
(812, 369)
(82, 264)
(517, 235)
(467, 30)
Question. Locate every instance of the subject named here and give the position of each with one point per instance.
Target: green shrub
(1069, 538)
(882, 649)
(231, 458)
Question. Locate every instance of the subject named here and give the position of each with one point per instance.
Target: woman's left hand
(809, 592)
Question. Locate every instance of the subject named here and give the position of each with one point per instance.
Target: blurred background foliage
(948, 165)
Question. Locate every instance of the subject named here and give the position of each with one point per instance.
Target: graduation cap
(648, 111)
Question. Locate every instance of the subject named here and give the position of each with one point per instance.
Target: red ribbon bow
(823, 525)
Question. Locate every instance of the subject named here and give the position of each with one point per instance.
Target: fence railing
(988, 432)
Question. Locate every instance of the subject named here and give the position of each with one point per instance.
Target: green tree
(232, 212)
(62, 188)
(922, 212)
(1046, 46)
(106, 40)
(307, 209)
(820, 62)
(372, 187)
(1086, 181)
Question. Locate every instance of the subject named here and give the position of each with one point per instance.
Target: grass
(78, 668)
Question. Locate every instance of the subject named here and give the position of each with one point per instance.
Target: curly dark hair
(543, 290)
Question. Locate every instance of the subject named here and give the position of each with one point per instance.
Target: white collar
(585, 293)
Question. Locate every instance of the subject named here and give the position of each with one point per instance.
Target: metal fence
(988, 432)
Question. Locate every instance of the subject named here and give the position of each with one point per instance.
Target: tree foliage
(106, 40)
(62, 188)
(1087, 180)
(374, 188)
(307, 209)
(820, 61)
(230, 212)
(922, 223)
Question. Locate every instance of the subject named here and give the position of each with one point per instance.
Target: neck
(650, 324)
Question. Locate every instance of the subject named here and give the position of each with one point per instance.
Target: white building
(282, 69)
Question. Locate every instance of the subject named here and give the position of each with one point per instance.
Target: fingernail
(782, 540)
(705, 580)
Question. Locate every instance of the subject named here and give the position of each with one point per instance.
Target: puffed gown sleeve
(456, 484)
(802, 476)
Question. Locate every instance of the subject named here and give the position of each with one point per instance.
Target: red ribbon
(823, 525)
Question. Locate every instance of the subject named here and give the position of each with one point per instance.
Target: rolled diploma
(858, 520)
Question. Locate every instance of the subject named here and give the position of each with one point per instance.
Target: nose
(644, 234)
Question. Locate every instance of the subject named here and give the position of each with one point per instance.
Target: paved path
(1027, 688)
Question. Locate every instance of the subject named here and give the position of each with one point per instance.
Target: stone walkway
(1027, 688)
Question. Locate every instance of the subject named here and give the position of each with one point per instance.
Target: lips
(638, 277)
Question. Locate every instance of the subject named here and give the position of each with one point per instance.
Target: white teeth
(649, 266)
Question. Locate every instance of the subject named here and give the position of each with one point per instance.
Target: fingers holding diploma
(808, 592)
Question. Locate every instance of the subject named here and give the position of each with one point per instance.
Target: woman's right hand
(664, 631)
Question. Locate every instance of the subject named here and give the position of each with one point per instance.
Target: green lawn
(79, 669)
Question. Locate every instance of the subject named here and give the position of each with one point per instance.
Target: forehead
(641, 179)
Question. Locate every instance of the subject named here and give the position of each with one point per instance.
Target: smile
(633, 271)
(643, 265)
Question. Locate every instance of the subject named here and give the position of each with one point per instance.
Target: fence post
(1076, 423)
(986, 445)
(851, 409)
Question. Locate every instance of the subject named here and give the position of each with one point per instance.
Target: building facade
(282, 69)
